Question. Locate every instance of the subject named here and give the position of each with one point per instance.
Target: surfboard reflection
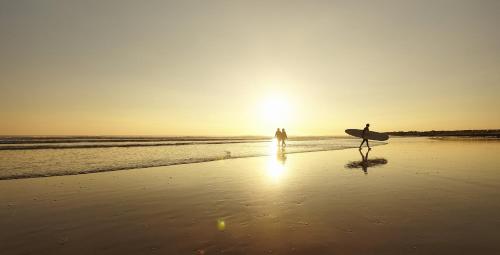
(366, 163)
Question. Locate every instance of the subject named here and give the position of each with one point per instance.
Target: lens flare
(221, 225)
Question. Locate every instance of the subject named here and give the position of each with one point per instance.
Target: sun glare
(276, 111)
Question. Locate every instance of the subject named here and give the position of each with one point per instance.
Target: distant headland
(489, 133)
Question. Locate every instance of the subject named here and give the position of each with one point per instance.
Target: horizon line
(172, 135)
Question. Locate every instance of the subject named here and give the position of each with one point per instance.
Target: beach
(415, 196)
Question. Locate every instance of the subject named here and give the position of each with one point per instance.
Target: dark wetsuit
(365, 132)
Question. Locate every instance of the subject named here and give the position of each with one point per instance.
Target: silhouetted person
(278, 136)
(363, 135)
(283, 137)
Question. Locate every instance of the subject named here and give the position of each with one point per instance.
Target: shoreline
(171, 164)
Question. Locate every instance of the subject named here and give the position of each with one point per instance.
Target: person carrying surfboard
(366, 130)
(278, 136)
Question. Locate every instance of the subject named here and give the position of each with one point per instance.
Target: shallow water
(26, 157)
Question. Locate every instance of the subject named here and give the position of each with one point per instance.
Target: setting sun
(276, 112)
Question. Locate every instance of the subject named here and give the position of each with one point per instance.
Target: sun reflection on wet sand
(276, 164)
(275, 170)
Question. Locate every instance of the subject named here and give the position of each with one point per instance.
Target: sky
(118, 67)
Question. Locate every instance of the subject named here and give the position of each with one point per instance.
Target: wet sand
(417, 196)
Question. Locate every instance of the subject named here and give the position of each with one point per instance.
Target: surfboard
(370, 136)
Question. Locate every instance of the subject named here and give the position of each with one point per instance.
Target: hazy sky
(245, 67)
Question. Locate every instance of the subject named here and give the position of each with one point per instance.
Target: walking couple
(281, 137)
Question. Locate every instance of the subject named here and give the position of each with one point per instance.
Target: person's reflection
(281, 155)
(365, 163)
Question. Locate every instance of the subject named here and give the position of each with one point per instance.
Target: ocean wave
(98, 145)
(45, 160)
(37, 140)
(156, 164)
(107, 139)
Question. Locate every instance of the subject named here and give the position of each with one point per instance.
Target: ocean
(36, 156)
